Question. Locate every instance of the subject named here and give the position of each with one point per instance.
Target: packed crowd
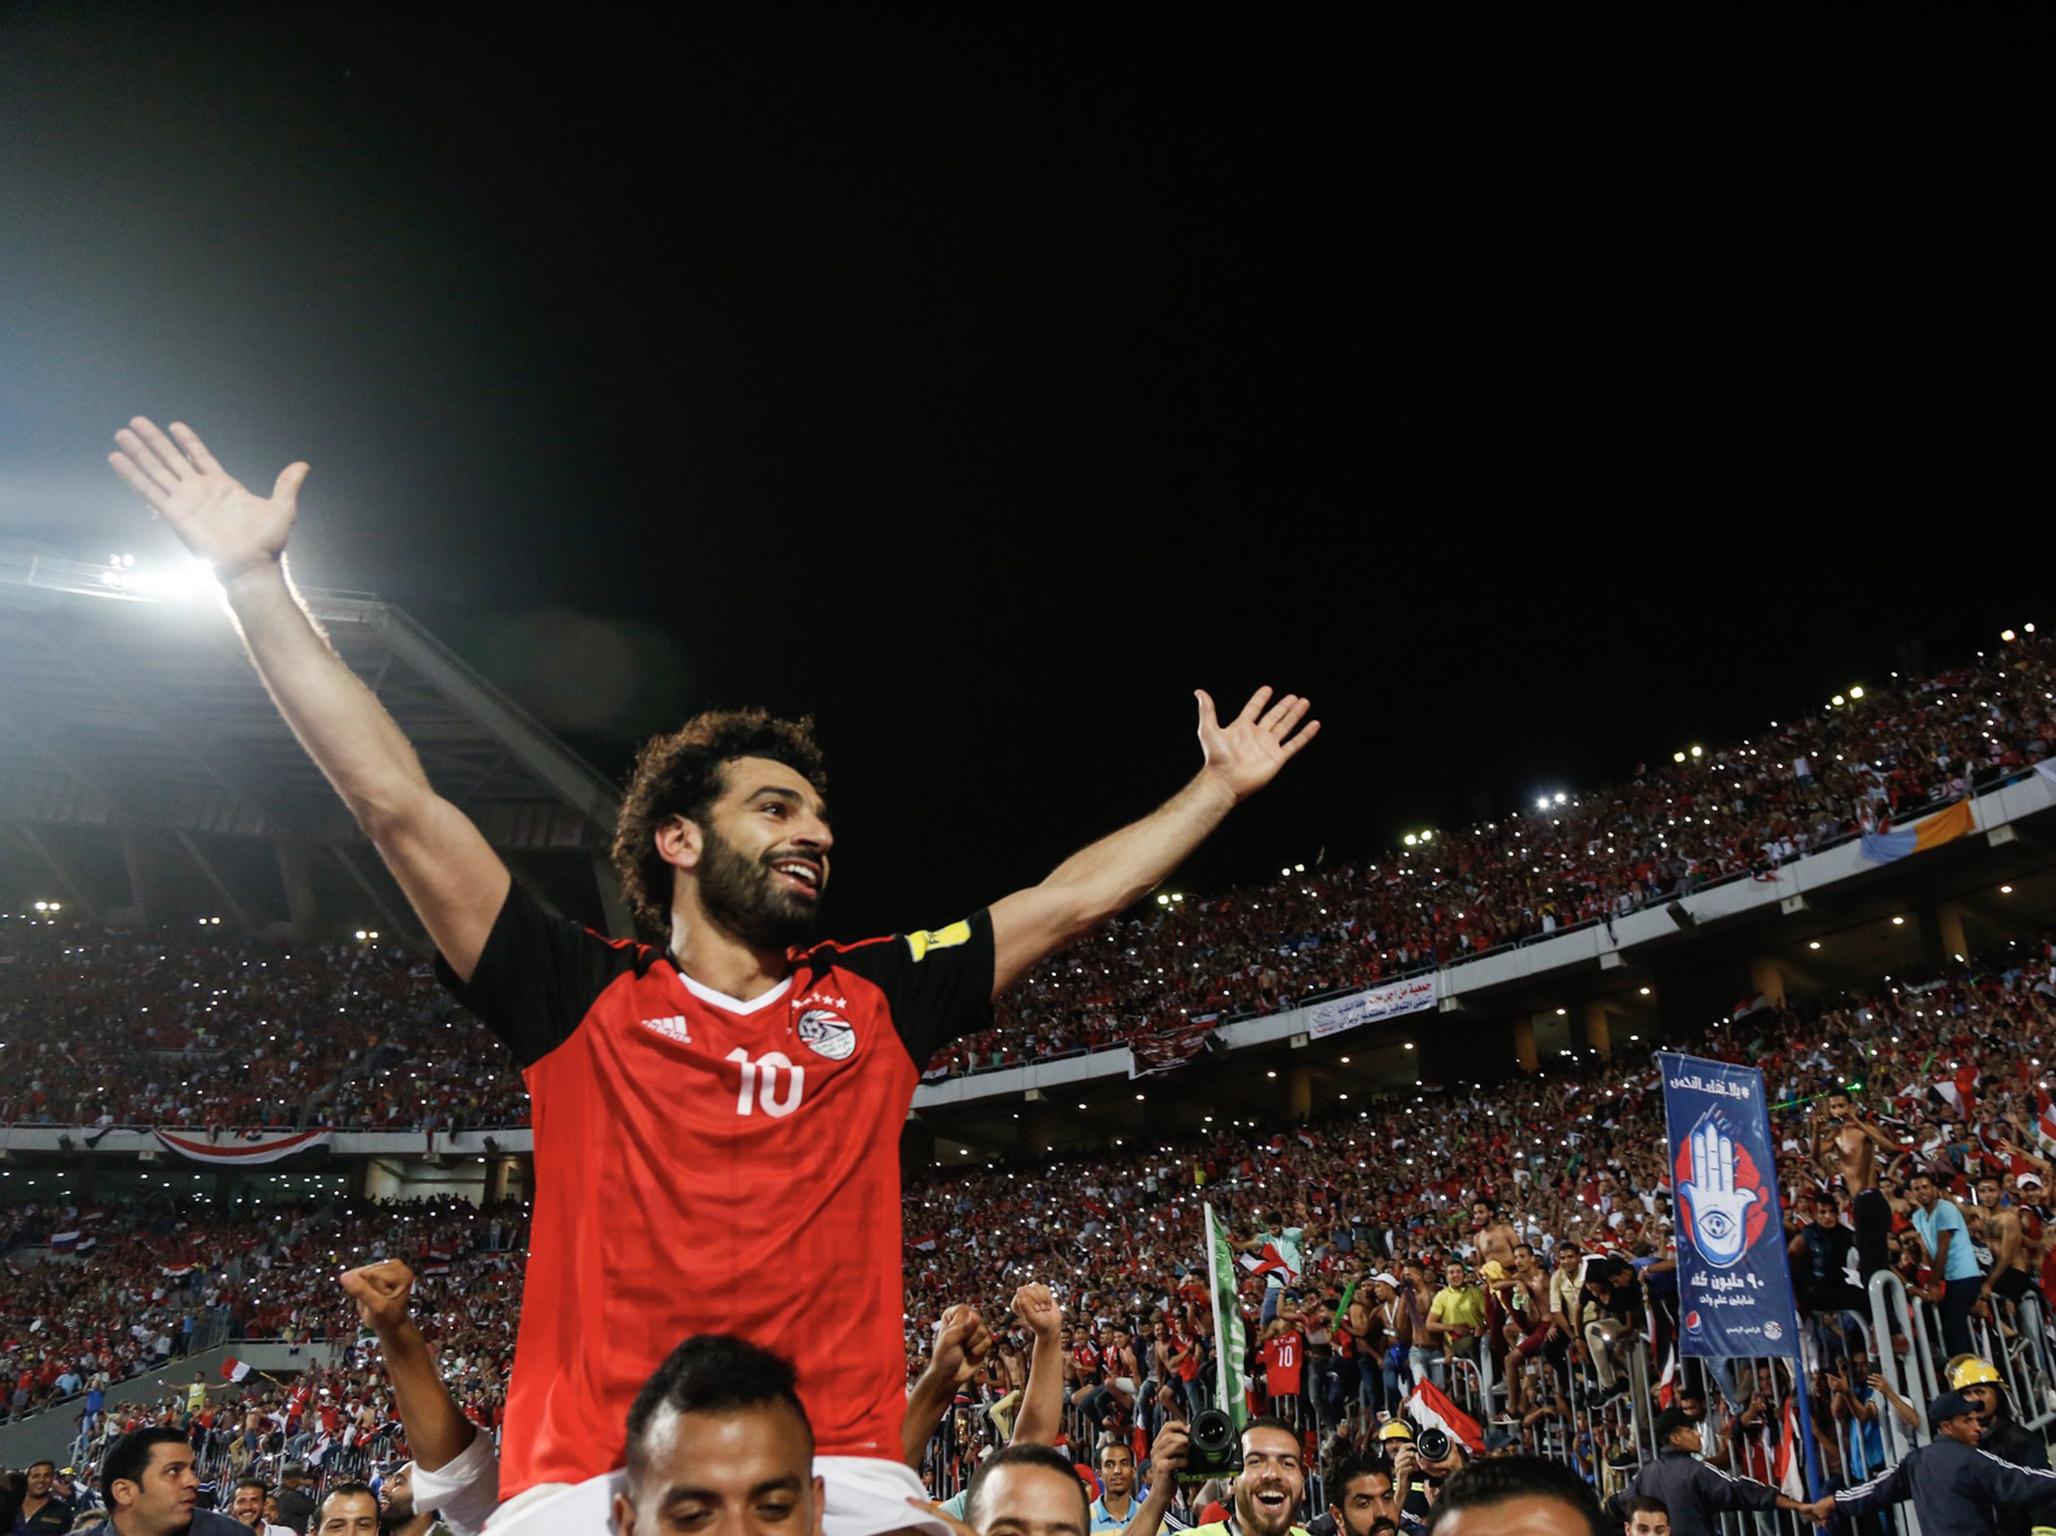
(215, 1032)
(1514, 1246)
(1670, 829)
(151, 1279)
(1511, 1245)
(199, 1031)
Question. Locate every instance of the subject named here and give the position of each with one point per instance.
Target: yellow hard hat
(1970, 1371)
(1395, 1429)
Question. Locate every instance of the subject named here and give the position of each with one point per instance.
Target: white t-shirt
(465, 1490)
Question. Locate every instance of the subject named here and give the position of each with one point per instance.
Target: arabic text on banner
(1734, 1281)
(1389, 1001)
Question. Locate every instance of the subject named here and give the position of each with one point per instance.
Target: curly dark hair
(681, 775)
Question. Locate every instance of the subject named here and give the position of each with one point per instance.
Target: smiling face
(760, 862)
(248, 1506)
(1268, 1489)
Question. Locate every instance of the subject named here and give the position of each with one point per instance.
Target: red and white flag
(1791, 1464)
(1667, 1383)
(233, 1369)
(1430, 1407)
(250, 1152)
(1269, 1262)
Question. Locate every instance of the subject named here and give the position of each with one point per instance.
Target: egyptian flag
(1791, 1464)
(1430, 1407)
(233, 1369)
(1269, 1262)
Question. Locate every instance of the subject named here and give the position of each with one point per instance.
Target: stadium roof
(146, 777)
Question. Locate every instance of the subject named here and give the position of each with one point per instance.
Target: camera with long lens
(1211, 1448)
(1432, 1444)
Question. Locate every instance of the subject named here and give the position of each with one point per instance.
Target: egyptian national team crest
(827, 1034)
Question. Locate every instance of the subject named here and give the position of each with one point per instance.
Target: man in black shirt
(42, 1512)
(1823, 1258)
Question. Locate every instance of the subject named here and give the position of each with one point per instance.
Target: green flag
(1230, 1344)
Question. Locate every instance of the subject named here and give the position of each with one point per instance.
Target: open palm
(1249, 750)
(215, 516)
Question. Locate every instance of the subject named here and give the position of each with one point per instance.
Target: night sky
(1538, 394)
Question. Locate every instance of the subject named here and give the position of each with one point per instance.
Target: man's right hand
(211, 511)
(1038, 1309)
(1167, 1455)
(381, 1291)
(961, 1346)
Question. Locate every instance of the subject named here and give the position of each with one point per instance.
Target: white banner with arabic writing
(1395, 998)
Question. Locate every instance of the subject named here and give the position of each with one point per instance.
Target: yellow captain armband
(939, 938)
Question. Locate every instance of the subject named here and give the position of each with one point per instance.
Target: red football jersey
(705, 1164)
(1284, 1364)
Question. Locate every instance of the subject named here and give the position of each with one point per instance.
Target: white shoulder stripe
(2014, 1465)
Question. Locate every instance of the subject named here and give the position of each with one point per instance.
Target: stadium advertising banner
(1734, 1283)
(1393, 999)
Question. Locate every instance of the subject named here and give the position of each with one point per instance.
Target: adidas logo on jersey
(671, 1027)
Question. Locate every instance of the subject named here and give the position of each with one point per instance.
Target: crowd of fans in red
(1566, 1161)
(151, 1280)
(204, 1031)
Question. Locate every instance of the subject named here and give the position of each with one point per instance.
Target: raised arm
(961, 1345)
(437, 1432)
(1092, 885)
(1042, 1400)
(452, 878)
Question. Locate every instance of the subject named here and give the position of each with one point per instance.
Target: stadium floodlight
(2006, 635)
(1813, 943)
(1697, 751)
(2005, 890)
(1856, 690)
(1299, 869)
(1542, 803)
(1838, 701)
(1898, 922)
(187, 580)
(2028, 628)
(1411, 839)
(1163, 900)
(1677, 757)
(1645, 991)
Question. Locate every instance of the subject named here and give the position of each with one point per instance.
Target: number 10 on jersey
(760, 1083)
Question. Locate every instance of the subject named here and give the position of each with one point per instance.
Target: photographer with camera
(1420, 1464)
(1265, 1461)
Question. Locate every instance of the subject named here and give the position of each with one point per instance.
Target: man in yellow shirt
(1457, 1315)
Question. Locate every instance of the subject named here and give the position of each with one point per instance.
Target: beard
(744, 897)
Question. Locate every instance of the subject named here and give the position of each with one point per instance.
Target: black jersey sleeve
(537, 976)
(938, 982)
